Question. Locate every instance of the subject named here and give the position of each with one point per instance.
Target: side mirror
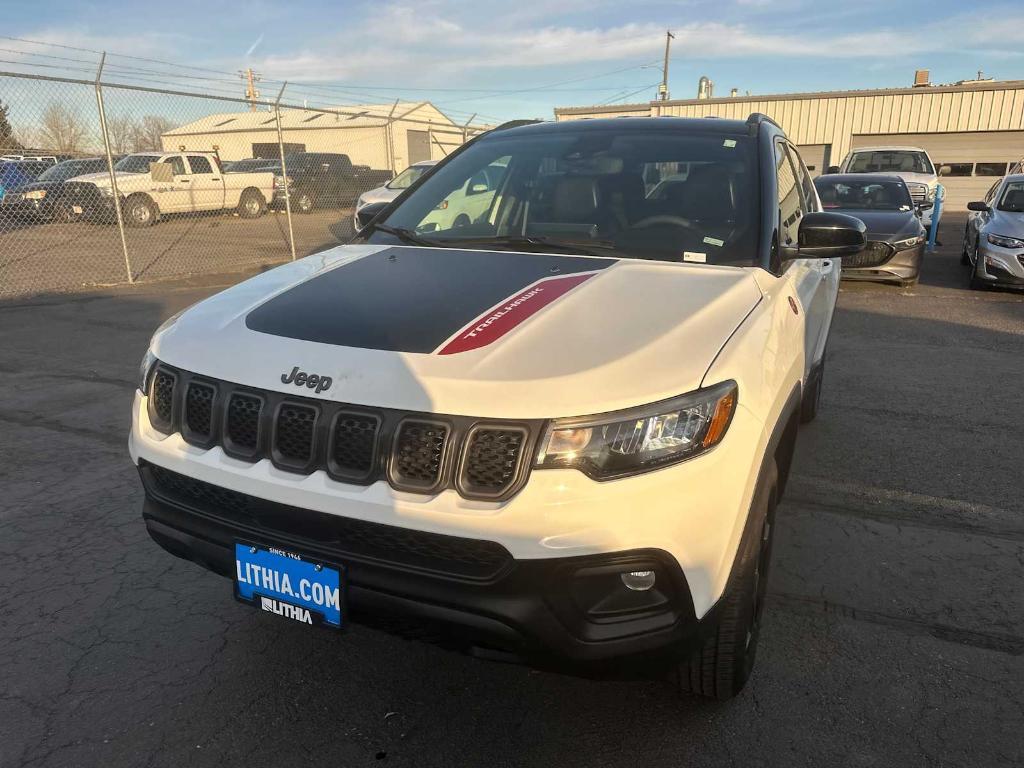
(977, 205)
(828, 235)
(478, 189)
(944, 170)
(368, 212)
(833, 169)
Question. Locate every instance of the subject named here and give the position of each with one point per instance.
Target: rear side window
(199, 164)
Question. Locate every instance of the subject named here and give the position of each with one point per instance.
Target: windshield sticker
(729, 143)
(714, 241)
(700, 258)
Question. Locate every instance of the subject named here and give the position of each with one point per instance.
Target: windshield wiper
(588, 247)
(407, 235)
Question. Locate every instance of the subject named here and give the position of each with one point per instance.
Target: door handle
(186, 181)
(214, 179)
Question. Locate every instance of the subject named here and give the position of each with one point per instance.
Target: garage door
(975, 159)
(816, 157)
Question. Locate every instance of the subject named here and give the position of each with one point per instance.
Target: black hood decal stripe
(408, 299)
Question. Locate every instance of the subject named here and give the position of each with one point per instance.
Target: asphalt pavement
(894, 634)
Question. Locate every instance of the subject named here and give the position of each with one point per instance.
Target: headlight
(1005, 242)
(105, 191)
(910, 242)
(35, 194)
(360, 202)
(931, 193)
(145, 368)
(280, 182)
(640, 439)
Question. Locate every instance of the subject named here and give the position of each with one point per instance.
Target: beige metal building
(974, 127)
(382, 136)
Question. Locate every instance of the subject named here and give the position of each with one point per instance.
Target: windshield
(629, 193)
(864, 196)
(405, 179)
(890, 161)
(135, 163)
(68, 170)
(1012, 199)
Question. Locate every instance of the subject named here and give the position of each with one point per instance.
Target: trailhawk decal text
(499, 320)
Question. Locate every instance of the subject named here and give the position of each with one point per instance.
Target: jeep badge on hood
(311, 380)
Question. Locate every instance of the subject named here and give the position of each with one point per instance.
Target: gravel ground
(894, 634)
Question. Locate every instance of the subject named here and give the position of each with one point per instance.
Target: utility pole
(663, 90)
(251, 94)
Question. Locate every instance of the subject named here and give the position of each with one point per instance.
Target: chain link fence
(104, 183)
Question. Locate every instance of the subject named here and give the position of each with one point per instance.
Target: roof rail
(514, 124)
(756, 118)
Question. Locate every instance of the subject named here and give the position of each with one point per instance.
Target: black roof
(859, 178)
(707, 125)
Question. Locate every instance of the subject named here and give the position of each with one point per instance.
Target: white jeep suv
(556, 432)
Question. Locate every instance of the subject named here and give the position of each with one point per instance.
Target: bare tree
(147, 135)
(62, 129)
(121, 131)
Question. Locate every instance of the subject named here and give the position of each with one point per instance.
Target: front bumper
(903, 265)
(999, 266)
(569, 613)
(688, 516)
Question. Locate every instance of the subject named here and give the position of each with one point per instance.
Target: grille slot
(294, 431)
(874, 255)
(354, 445)
(418, 454)
(491, 461)
(162, 399)
(242, 424)
(198, 418)
(351, 539)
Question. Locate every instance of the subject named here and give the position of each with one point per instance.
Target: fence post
(284, 169)
(110, 167)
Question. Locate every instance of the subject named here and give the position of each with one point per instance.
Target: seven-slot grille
(419, 453)
(874, 254)
(918, 192)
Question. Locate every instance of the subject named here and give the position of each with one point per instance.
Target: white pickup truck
(154, 183)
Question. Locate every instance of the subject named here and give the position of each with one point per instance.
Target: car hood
(1006, 223)
(379, 195)
(478, 333)
(888, 225)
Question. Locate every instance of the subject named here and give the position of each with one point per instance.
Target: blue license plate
(289, 585)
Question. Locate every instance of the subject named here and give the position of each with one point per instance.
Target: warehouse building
(382, 136)
(975, 127)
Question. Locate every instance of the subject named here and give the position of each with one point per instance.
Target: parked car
(155, 183)
(392, 189)
(395, 427)
(896, 237)
(318, 179)
(16, 173)
(993, 244)
(53, 196)
(251, 164)
(912, 164)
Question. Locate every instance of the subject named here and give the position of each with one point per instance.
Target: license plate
(289, 584)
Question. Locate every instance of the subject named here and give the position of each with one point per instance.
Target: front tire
(139, 211)
(810, 404)
(252, 204)
(721, 668)
(976, 283)
(965, 257)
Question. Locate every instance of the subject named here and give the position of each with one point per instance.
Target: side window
(790, 204)
(199, 164)
(804, 179)
(177, 163)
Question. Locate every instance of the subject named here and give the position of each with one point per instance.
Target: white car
(154, 183)
(912, 164)
(555, 434)
(391, 190)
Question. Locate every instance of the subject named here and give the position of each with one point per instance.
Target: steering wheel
(665, 218)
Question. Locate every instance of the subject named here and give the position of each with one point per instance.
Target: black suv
(54, 195)
(324, 179)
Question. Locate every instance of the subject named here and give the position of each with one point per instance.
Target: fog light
(638, 581)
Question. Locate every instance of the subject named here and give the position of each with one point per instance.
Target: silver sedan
(994, 237)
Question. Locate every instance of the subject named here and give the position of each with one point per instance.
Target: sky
(523, 58)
